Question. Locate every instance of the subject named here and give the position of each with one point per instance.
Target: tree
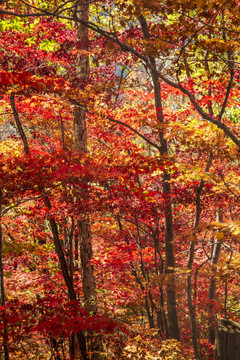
(159, 146)
(80, 131)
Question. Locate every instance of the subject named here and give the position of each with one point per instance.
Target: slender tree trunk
(147, 297)
(80, 129)
(191, 306)
(212, 287)
(173, 327)
(55, 349)
(172, 318)
(80, 132)
(161, 316)
(54, 229)
(3, 301)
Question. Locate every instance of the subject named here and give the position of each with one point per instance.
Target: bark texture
(80, 129)
(89, 293)
(80, 133)
(227, 345)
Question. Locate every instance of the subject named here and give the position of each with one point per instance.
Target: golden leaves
(140, 348)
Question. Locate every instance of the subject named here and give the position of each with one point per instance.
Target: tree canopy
(119, 177)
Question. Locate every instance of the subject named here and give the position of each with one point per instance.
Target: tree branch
(112, 37)
(121, 123)
(224, 104)
(19, 125)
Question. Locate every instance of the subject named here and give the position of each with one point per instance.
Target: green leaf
(49, 45)
(8, 274)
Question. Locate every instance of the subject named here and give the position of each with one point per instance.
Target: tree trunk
(212, 287)
(80, 132)
(54, 229)
(2, 288)
(169, 251)
(227, 345)
(191, 306)
(173, 327)
(89, 292)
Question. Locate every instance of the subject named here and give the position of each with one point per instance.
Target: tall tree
(80, 133)
(148, 172)
(169, 251)
(55, 233)
(2, 287)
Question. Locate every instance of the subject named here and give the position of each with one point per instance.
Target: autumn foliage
(158, 185)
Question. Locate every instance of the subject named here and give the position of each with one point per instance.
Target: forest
(119, 178)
